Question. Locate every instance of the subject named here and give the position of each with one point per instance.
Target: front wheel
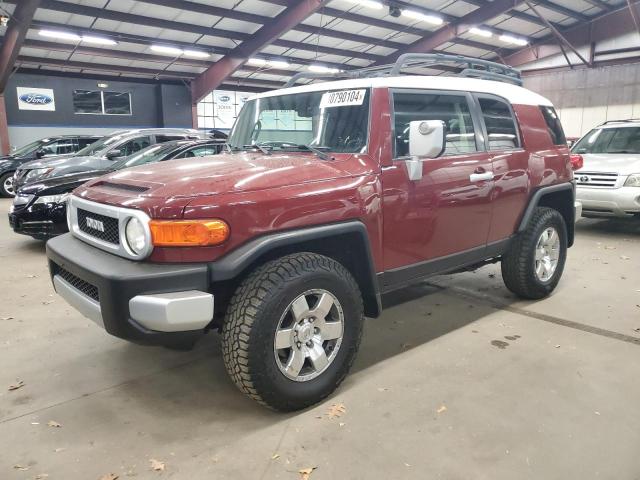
(6, 185)
(292, 331)
(534, 262)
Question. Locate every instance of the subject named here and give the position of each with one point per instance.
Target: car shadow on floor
(610, 226)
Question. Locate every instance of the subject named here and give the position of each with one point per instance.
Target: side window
(453, 110)
(59, 148)
(83, 142)
(501, 126)
(133, 146)
(168, 138)
(553, 125)
(200, 151)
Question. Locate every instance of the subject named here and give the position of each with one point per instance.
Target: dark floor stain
(500, 344)
(512, 337)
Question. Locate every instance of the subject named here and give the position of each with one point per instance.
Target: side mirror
(427, 138)
(40, 153)
(114, 154)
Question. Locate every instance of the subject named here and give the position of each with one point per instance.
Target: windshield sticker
(342, 98)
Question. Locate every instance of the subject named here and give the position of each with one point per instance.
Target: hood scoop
(120, 186)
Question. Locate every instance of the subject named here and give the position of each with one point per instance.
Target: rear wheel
(533, 265)
(6, 185)
(292, 331)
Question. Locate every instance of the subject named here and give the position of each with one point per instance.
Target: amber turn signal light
(188, 233)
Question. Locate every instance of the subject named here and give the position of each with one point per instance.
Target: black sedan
(40, 209)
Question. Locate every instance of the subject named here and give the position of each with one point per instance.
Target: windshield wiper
(317, 151)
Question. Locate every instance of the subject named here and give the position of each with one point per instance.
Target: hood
(231, 172)
(620, 163)
(62, 184)
(57, 161)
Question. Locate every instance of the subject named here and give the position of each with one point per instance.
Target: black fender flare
(234, 263)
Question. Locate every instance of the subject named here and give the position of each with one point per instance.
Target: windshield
(334, 121)
(99, 146)
(151, 154)
(610, 140)
(30, 147)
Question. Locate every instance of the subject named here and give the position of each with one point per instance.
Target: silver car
(608, 184)
(101, 154)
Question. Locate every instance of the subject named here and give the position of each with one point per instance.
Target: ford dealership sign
(36, 99)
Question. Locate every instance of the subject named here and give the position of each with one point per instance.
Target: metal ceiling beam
(223, 68)
(608, 25)
(153, 73)
(14, 37)
(634, 15)
(147, 41)
(450, 32)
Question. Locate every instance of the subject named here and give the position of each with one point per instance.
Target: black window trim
(474, 110)
(479, 95)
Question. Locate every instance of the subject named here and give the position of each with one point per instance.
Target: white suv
(608, 184)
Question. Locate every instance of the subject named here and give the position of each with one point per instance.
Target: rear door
(447, 211)
(509, 164)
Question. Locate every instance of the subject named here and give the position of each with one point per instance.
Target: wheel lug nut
(316, 330)
(309, 343)
(299, 344)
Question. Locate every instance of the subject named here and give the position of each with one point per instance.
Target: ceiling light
(368, 3)
(59, 35)
(195, 53)
(279, 64)
(514, 40)
(258, 62)
(481, 32)
(166, 49)
(98, 40)
(423, 17)
(322, 69)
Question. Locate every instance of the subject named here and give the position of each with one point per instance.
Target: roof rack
(469, 67)
(628, 120)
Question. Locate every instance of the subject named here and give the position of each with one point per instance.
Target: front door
(448, 211)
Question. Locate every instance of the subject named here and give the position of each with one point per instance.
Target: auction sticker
(342, 98)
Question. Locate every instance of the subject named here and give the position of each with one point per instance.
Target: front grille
(99, 226)
(88, 289)
(596, 179)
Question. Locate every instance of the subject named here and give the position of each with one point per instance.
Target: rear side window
(553, 125)
(453, 110)
(83, 142)
(501, 127)
(169, 138)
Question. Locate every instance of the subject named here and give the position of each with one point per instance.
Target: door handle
(479, 177)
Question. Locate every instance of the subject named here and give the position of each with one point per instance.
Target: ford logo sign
(225, 98)
(36, 99)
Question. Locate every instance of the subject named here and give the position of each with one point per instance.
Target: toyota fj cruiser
(330, 194)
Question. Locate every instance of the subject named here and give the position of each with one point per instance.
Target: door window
(501, 127)
(134, 145)
(168, 138)
(453, 110)
(60, 147)
(553, 125)
(84, 142)
(200, 151)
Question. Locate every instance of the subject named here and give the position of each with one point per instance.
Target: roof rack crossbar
(627, 120)
(472, 67)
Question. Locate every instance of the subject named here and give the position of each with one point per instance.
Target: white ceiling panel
(259, 8)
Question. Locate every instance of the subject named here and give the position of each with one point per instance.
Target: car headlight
(52, 198)
(136, 236)
(633, 180)
(37, 173)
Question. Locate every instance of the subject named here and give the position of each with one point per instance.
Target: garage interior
(458, 378)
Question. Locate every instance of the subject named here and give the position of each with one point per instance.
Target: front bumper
(609, 202)
(39, 221)
(145, 303)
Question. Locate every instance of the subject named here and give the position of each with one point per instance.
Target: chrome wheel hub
(547, 254)
(8, 186)
(309, 335)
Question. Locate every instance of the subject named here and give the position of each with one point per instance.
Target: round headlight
(135, 235)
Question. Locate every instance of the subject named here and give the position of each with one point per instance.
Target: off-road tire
(252, 319)
(3, 192)
(518, 264)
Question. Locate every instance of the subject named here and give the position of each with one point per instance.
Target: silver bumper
(577, 206)
(165, 312)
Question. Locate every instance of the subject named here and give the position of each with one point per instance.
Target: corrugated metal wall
(585, 98)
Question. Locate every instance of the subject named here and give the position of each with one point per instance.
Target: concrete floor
(456, 380)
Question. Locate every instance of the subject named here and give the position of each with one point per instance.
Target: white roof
(513, 93)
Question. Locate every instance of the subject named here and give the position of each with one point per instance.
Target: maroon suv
(330, 195)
